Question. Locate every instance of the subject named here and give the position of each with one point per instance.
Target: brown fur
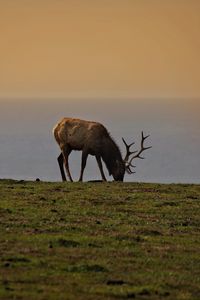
(90, 138)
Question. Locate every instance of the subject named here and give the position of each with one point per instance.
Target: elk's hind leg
(98, 158)
(66, 152)
(61, 165)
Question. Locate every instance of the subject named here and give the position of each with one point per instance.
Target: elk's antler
(128, 164)
(128, 152)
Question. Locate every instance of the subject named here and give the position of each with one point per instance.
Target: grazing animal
(93, 138)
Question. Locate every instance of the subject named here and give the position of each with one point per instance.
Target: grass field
(99, 241)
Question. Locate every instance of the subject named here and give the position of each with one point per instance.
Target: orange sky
(100, 48)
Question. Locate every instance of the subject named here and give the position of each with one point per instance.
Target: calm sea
(28, 149)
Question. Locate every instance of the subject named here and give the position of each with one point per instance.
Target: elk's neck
(113, 158)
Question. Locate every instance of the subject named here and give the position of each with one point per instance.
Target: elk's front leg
(98, 158)
(83, 163)
(61, 163)
(66, 152)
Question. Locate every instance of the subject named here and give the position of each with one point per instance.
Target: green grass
(99, 241)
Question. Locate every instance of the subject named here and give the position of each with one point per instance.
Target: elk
(93, 138)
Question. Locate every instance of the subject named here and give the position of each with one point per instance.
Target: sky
(100, 48)
(130, 64)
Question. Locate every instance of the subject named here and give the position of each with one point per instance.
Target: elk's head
(136, 154)
(119, 171)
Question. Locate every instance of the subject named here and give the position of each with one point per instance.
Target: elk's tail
(55, 133)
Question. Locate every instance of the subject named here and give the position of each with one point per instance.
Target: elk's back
(79, 134)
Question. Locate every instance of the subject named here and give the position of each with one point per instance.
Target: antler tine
(125, 143)
(130, 165)
(144, 137)
(143, 148)
(128, 152)
(128, 169)
(142, 141)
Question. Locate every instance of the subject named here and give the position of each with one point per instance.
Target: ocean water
(28, 149)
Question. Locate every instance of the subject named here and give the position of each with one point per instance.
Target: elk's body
(91, 138)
